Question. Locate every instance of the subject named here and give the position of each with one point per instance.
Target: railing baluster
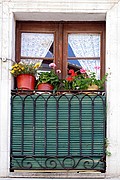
(80, 124)
(92, 149)
(69, 107)
(34, 110)
(11, 133)
(45, 127)
(57, 106)
(104, 125)
(22, 127)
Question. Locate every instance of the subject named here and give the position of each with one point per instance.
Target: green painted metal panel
(58, 132)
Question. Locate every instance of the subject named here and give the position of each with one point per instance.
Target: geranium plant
(23, 68)
(50, 77)
(82, 80)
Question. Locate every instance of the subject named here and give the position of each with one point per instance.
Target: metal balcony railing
(51, 131)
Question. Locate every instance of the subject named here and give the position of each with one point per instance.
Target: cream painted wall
(109, 10)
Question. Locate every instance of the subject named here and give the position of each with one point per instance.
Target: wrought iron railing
(58, 130)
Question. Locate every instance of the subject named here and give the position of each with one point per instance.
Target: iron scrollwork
(53, 162)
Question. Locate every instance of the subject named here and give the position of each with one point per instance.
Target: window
(68, 44)
(72, 136)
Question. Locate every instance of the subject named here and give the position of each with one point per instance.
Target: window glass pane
(84, 46)
(37, 45)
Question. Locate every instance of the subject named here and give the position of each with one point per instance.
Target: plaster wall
(80, 10)
(113, 88)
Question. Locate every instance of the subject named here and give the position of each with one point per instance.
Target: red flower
(71, 71)
(69, 78)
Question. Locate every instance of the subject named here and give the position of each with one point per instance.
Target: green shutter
(58, 132)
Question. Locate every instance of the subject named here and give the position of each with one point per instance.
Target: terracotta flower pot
(25, 82)
(45, 86)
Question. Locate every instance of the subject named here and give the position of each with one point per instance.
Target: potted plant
(83, 80)
(25, 75)
(49, 80)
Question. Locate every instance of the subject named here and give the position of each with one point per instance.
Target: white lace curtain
(86, 45)
(35, 45)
